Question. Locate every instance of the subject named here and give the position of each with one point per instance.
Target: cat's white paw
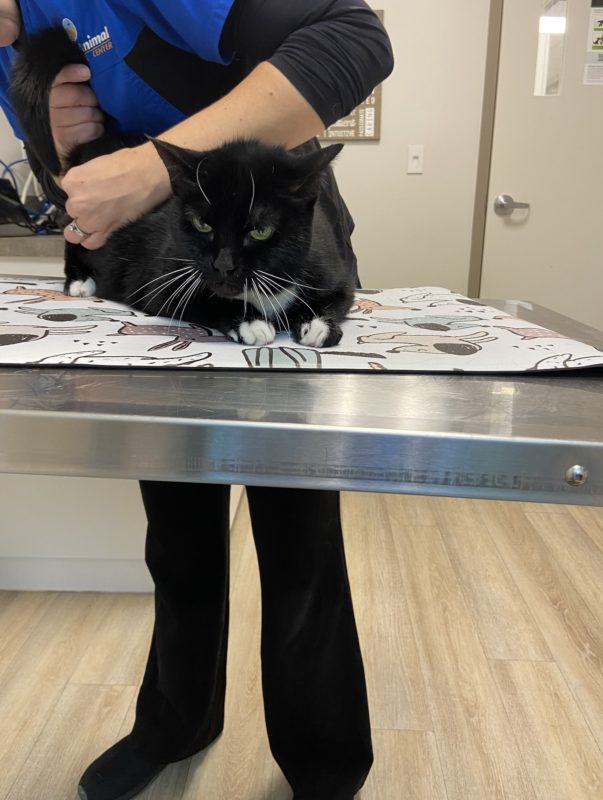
(82, 288)
(314, 333)
(256, 333)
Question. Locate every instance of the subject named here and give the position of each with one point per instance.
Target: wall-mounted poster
(364, 123)
(593, 71)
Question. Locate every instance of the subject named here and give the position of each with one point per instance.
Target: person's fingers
(72, 73)
(68, 117)
(68, 95)
(95, 241)
(10, 25)
(67, 138)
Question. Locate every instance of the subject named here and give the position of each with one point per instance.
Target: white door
(548, 152)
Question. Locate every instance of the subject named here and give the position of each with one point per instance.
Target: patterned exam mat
(425, 329)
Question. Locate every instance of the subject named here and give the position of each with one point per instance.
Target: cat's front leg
(233, 319)
(252, 332)
(317, 332)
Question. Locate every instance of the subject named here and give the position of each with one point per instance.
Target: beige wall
(9, 146)
(415, 230)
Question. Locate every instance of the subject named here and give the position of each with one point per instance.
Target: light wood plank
(542, 508)
(407, 767)
(479, 754)
(590, 520)
(561, 755)
(506, 628)
(581, 559)
(395, 686)
(20, 612)
(115, 656)
(33, 680)
(84, 720)
(573, 633)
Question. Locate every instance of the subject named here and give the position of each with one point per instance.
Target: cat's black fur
(226, 279)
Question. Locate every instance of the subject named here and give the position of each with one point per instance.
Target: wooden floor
(482, 631)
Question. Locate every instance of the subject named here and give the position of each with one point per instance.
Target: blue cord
(7, 169)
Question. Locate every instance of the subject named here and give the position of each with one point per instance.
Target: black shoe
(120, 773)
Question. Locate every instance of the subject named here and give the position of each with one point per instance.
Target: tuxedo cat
(249, 243)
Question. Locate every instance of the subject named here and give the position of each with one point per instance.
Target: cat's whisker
(190, 261)
(252, 191)
(270, 297)
(155, 293)
(284, 280)
(266, 292)
(178, 290)
(245, 299)
(295, 295)
(198, 285)
(201, 189)
(188, 296)
(280, 305)
(182, 291)
(177, 273)
(154, 280)
(257, 294)
(272, 285)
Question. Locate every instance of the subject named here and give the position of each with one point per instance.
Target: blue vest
(107, 30)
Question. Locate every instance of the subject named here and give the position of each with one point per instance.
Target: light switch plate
(415, 159)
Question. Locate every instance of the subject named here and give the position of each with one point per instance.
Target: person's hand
(10, 22)
(108, 192)
(75, 117)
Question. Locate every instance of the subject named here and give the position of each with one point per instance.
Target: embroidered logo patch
(97, 45)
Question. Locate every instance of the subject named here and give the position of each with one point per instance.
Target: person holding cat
(197, 73)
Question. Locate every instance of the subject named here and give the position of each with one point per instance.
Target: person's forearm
(264, 106)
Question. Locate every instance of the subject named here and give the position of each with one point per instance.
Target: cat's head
(247, 210)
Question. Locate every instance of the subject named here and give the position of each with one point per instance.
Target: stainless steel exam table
(535, 437)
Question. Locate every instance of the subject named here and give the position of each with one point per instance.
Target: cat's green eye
(201, 226)
(261, 234)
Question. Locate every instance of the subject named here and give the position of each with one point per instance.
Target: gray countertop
(14, 244)
(510, 437)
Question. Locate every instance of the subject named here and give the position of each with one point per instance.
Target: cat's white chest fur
(269, 305)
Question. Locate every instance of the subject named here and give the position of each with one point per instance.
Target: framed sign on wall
(364, 123)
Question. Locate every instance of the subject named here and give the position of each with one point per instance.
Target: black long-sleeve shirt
(333, 51)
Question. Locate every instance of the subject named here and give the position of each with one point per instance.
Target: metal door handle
(505, 205)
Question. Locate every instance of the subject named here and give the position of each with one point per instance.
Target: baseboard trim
(32, 574)
(74, 575)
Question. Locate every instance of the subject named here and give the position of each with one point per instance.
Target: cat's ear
(305, 180)
(180, 163)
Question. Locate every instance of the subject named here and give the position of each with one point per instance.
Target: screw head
(576, 475)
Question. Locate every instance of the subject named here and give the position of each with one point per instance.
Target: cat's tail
(39, 60)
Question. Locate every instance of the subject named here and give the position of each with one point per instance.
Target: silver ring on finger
(73, 226)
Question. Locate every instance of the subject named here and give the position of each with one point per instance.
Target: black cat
(252, 240)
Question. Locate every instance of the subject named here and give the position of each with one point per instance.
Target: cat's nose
(223, 262)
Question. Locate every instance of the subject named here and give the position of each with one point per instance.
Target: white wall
(10, 148)
(411, 230)
(415, 230)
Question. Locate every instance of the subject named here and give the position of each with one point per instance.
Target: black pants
(312, 674)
